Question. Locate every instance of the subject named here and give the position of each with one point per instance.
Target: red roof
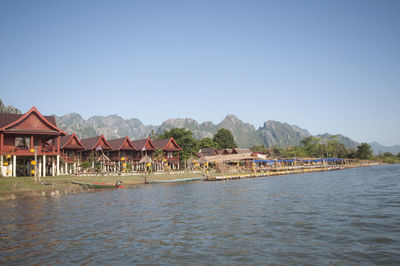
(8, 121)
(118, 144)
(71, 142)
(93, 143)
(141, 144)
(166, 144)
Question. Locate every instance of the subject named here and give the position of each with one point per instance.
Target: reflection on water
(342, 217)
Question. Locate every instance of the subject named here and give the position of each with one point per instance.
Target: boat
(146, 181)
(98, 185)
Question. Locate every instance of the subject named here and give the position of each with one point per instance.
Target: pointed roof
(103, 157)
(167, 144)
(93, 143)
(240, 151)
(145, 159)
(228, 151)
(32, 121)
(121, 144)
(207, 152)
(71, 142)
(143, 144)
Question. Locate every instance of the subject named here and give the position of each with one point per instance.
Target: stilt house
(27, 142)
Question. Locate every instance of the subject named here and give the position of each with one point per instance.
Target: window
(22, 142)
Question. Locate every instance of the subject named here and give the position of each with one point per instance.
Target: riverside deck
(285, 171)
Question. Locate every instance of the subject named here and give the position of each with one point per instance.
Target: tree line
(223, 139)
(309, 147)
(320, 148)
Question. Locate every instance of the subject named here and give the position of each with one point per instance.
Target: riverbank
(286, 171)
(22, 187)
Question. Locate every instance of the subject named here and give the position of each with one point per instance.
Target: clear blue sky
(326, 66)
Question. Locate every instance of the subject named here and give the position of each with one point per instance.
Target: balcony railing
(118, 158)
(27, 150)
(70, 158)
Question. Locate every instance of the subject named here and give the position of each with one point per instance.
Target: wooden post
(14, 166)
(58, 163)
(58, 145)
(53, 172)
(44, 166)
(40, 168)
(1, 143)
(37, 178)
(1, 165)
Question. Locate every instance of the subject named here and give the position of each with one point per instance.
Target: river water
(340, 217)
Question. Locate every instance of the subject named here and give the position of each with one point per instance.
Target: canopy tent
(226, 158)
(145, 159)
(103, 158)
(300, 160)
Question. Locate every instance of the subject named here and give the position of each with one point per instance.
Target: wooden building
(27, 142)
(207, 152)
(95, 146)
(240, 151)
(122, 151)
(170, 151)
(143, 147)
(71, 148)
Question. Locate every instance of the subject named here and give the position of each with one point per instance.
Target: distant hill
(272, 133)
(379, 148)
(8, 109)
(245, 134)
(348, 143)
(111, 126)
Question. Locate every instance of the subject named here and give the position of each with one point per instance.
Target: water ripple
(349, 217)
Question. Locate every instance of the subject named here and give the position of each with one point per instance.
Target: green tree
(207, 143)
(335, 148)
(224, 139)
(364, 151)
(398, 155)
(260, 148)
(86, 164)
(158, 154)
(184, 138)
(312, 146)
(276, 151)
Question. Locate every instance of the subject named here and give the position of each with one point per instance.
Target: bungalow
(27, 142)
(122, 150)
(233, 151)
(207, 152)
(143, 147)
(170, 151)
(94, 147)
(240, 151)
(227, 152)
(71, 148)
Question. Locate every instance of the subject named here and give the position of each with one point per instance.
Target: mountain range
(270, 134)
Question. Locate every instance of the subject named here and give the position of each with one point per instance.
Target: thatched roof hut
(145, 159)
(103, 158)
(227, 158)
